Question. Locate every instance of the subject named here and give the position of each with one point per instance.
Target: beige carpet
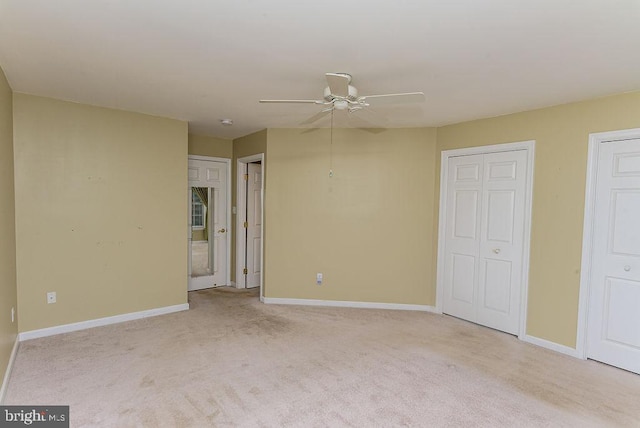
(232, 361)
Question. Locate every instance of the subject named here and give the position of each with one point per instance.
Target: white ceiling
(205, 60)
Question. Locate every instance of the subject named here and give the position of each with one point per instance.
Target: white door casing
(483, 248)
(610, 285)
(254, 225)
(212, 174)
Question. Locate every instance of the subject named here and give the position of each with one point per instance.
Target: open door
(253, 246)
(249, 239)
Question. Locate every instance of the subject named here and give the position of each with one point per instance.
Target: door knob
(627, 268)
(222, 231)
(496, 250)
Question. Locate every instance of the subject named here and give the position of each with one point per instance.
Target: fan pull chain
(331, 147)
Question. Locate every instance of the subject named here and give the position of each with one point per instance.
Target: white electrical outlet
(13, 314)
(319, 278)
(51, 297)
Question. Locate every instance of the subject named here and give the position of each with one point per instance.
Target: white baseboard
(552, 345)
(7, 373)
(67, 328)
(347, 304)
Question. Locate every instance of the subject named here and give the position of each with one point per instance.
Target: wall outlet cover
(51, 297)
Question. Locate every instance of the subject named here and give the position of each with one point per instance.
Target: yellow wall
(101, 221)
(561, 135)
(100, 210)
(251, 144)
(368, 229)
(8, 293)
(203, 145)
(248, 145)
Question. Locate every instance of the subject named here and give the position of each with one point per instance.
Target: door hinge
(246, 225)
(245, 271)
(246, 177)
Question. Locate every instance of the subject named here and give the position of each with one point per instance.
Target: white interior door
(254, 225)
(208, 229)
(613, 332)
(484, 238)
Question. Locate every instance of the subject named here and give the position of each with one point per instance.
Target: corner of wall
(8, 284)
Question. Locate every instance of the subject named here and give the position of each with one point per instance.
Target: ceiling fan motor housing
(353, 94)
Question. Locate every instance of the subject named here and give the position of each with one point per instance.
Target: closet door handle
(222, 231)
(627, 268)
(496, 250)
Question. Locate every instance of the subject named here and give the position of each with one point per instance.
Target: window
(197, 212)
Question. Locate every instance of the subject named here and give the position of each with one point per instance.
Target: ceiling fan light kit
(340, 105)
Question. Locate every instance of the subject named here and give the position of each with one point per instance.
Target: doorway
(484, 234)
(208, 225)
(250, 220)
(609, 312)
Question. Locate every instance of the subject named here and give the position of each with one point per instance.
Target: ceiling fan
(340, 95)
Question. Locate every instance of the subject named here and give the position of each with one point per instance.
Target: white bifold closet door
(484, 238)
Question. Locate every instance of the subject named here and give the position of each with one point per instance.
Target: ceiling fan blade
(315, 117)
(370, 115)
(359, 123)
(371, 130)
(338, 83)
(309, 130)
(293, 101)
(409, 97)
